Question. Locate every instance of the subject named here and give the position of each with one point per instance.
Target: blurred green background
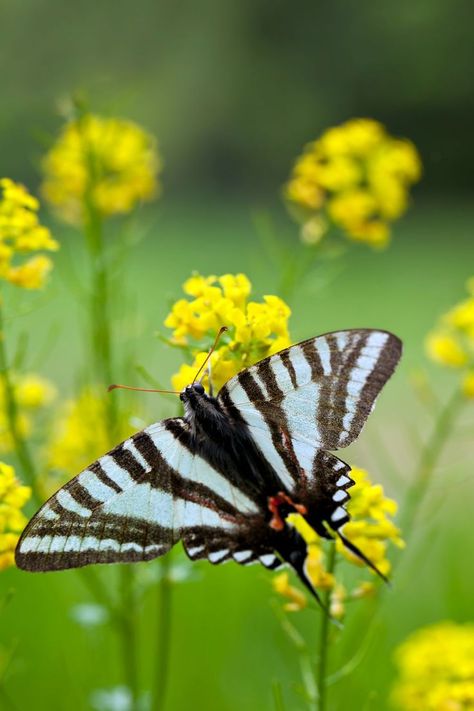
(232, 91)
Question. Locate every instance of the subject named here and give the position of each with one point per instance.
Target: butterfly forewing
(321, 390)
(133, 504)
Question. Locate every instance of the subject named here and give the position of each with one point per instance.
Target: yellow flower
(445, 349)
(370, 527)
(32, 274)
(20, 234)
(436, 669)
(358, 176)
(255, 329)
(110, 162)
(451, 343)
(13, 496)
(468, 384)
(80, 435)
(297, 599)
(32, 393)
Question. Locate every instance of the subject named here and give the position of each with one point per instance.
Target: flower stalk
(11, 406)
(323, 652)
(164, 609)
(429, 458)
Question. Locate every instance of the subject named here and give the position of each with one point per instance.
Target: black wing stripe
(285, 471)
(97, 469)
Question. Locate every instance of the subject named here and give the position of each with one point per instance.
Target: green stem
(163, 637)
(102, 351)
(321, 670)
(278, 697)
(100, 316)
(28, 471)
(7, 702)
(429, 459)
(128, 632)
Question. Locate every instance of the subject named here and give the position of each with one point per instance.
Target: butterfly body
(224, 478)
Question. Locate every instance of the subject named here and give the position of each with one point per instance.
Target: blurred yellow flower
(436, 669)
(111, 164)
(297, 599)
(468, 384)
(79, 436)
(358, 176)
(255, 329)
(31, 393)
(13, 496)
(451, 343)
(20, 234)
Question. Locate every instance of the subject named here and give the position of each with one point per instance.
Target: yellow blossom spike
(356, 177)
(21, 234)
(126, 165)
(13, 496)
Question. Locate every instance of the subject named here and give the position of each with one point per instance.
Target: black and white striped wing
(319, 391)
(135, 503)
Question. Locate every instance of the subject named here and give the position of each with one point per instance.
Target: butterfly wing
(135, 503)
(320, 391)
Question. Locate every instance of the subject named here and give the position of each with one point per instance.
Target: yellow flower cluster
(32, 393)
(436, 666)
(370, 529)
(79, 436)
(110, 164)
(255, 329)
(451, 343)
(21, 234)
(13, 496)
(355, 176)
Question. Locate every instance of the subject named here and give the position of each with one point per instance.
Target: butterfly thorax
(203, 413)
(227, 445)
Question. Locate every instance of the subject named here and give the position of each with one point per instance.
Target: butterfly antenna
(222, 330)
(357, 552)
(116, 386)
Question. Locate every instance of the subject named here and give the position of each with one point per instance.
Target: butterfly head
(192, 393)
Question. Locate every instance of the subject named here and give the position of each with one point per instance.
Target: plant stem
(278, 696)
(163, 637)
(429, 458)
(102, 351)
(28, 471)
(321, 670)
(128, 631)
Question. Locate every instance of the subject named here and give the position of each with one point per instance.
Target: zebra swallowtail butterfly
(224, 477)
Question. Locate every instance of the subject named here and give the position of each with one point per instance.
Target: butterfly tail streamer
(357, 552)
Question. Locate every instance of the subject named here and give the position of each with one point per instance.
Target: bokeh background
(233, 91)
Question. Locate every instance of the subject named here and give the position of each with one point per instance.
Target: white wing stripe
(301, 366)
(155, 505)
(120, 476)
(195, 469)
(358, 378)
(96, 488)
(322, 348)
(242, 556)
